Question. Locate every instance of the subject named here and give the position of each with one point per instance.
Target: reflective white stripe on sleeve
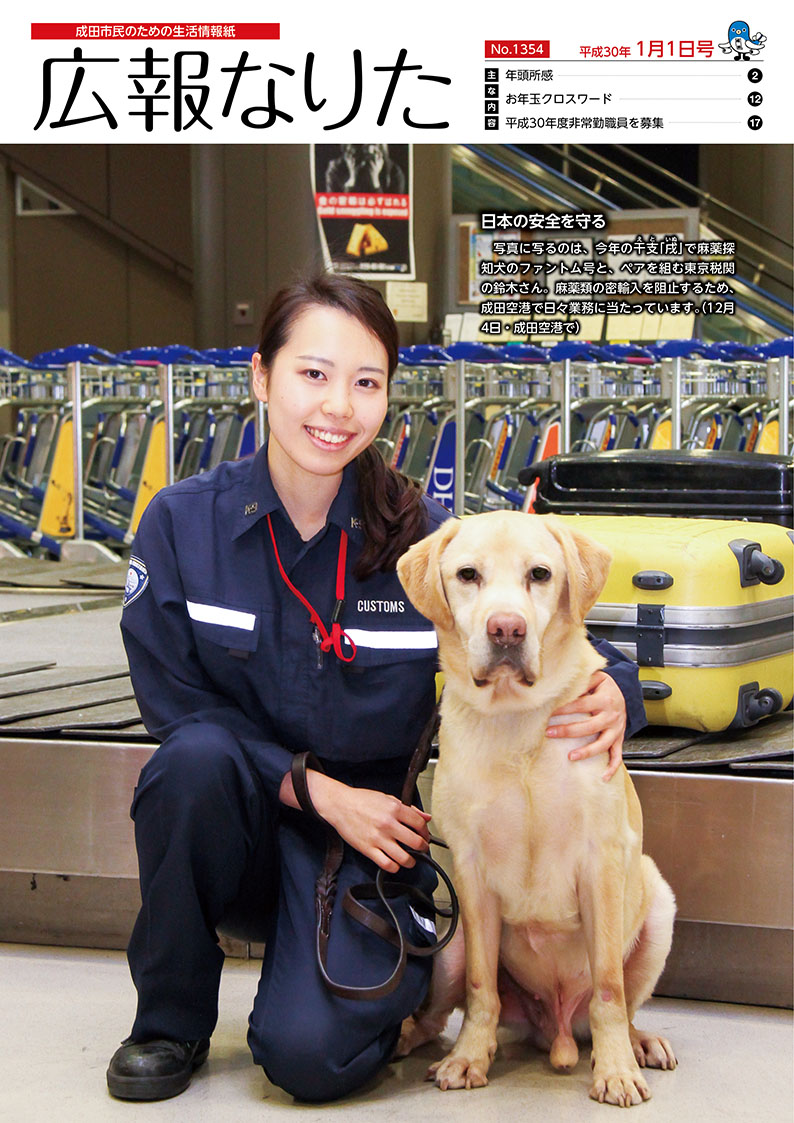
(425, 639)
(225, 617)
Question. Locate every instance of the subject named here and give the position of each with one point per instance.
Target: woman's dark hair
(393, 513)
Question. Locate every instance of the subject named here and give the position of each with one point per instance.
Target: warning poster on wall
(363, 196)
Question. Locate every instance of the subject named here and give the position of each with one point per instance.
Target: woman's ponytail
(393, 513)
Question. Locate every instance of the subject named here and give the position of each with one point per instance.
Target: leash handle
(325, 894)
(420, 757)
(301, 762)
(327, 883)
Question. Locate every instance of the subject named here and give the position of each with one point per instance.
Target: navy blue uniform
(229, 675)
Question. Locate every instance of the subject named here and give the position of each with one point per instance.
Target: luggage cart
(471, 392)
(515, 429)
(416, 393)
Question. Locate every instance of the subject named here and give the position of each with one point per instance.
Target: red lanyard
(334, 639)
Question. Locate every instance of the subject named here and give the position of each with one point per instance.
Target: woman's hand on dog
(607, 707)
(376, 824)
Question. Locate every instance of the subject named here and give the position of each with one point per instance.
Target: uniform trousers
(213, 845)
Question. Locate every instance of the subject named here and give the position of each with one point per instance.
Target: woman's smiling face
(326, 392)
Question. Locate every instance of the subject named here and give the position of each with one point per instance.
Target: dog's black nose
(506, 630)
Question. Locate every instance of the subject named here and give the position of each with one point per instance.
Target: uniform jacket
(213, 634)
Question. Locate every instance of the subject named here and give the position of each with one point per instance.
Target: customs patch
(137, 580)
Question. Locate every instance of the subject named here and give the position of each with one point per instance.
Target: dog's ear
(587, 563)
(419, 571)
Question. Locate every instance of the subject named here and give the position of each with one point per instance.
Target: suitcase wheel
(755, 704)
(756, 567)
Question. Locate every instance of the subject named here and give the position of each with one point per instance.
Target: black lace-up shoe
(154, 1070)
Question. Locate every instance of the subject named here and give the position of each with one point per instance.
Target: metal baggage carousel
(717, 807)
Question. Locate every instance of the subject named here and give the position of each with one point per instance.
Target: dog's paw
(418, 1029)
(416, 1032)
(626, 1089)
(652, 1051)
(459, 1072)
(408, 1037)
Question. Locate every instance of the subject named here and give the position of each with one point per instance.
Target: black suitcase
(713, 484)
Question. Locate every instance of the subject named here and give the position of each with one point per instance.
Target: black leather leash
(352, 902)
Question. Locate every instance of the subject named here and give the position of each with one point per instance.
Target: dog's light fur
(567, 924)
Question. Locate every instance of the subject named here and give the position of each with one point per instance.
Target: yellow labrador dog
(565, 922)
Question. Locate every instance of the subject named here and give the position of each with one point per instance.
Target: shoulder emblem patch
(137, 580)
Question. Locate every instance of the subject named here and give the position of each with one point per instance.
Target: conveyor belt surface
(658, 741)
(60, 701)
(64, 699)
(8, 669)
(36, 573)
(37, 680)
(771, 741)
(106, 717)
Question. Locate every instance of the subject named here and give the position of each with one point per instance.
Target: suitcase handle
(655, 691)
(756, 567)
(652, 579)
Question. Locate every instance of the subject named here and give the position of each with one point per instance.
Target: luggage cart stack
(416, 390)
(723, 396)
(474, 419)
(519, 420)
(84, 476)
(38, 497)
(31, 413)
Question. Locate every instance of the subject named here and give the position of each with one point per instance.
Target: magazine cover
(361, 369)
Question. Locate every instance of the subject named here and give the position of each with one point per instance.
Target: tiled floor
(65, 1010)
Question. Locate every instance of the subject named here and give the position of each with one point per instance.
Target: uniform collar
(259, 498)
(345, 510)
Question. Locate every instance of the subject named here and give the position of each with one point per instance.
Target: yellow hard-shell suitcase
(705, 607)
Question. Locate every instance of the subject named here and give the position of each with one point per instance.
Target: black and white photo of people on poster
(363, 195)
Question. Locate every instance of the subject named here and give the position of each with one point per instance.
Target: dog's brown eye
(468, 573)
(539, 573)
